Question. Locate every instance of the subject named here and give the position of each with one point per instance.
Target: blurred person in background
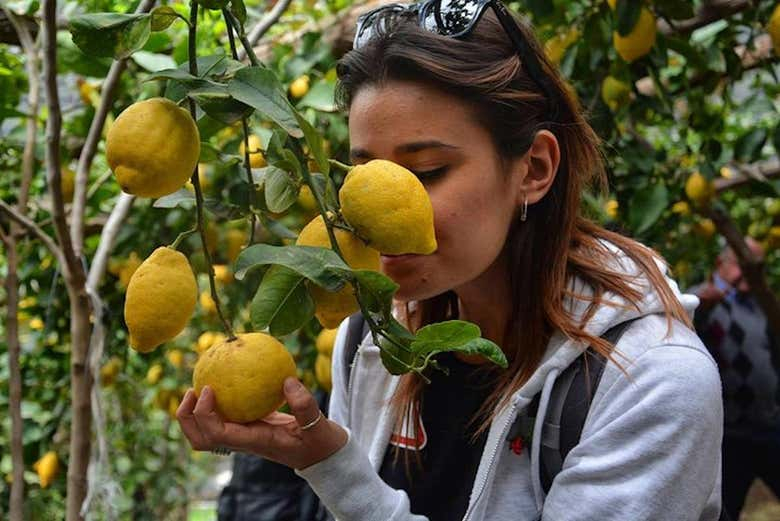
(735, 329)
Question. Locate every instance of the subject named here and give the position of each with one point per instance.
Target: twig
(90, 145)
(768, 170)
(193, 66)
(264, 25)
(100, 483)
(253, 59)
(708, 13)
(27, 223)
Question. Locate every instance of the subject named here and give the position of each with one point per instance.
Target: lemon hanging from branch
(153, 148)
(333, 307)
(388, 206)
(160, 299)
(640, 40)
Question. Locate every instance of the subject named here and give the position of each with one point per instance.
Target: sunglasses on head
(455, 18)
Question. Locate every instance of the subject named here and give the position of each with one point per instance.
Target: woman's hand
(277, 437)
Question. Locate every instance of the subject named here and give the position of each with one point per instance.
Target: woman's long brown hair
(556, 242)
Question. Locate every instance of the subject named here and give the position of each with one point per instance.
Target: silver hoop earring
(524, 213)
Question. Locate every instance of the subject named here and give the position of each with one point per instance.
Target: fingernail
(291, 385)
(206, 391)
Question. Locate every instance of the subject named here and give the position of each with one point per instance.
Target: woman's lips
(392, 260)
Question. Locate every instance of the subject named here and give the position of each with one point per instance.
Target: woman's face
(434, 135)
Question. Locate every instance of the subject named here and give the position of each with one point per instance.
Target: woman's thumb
(302, 403)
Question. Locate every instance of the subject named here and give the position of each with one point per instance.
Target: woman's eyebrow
(406, 148)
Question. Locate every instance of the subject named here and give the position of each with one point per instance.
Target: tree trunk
(15, 381)
(81, 415)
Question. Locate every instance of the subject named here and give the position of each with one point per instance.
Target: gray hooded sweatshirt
(649, 451)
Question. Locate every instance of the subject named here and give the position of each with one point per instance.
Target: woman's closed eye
(427, 175)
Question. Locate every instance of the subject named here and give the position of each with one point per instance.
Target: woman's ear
(540, 165)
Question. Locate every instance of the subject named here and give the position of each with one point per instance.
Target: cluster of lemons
(153, 148)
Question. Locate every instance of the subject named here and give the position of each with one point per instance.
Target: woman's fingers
(209, 423)
(187, 421)
(302, 404)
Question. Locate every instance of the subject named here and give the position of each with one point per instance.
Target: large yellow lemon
(160, 299)
(389, 207)
(333, 307)
(153, 148)
(246, 374)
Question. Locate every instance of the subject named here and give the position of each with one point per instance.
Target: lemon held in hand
(333, 307)
(246, 374)
(389, 207)
(160, 299)
(153, 148)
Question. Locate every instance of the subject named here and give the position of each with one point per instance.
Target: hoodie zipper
(483, 481)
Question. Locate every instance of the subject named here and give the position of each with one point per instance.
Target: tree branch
(709, 12)
(90, 145)
(107, 238)
(14, 214)
(263, 25)
(748, 174)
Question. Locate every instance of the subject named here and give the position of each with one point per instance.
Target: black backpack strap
(569, 404)
(356, 332)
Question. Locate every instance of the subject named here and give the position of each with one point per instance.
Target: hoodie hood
(613, 310)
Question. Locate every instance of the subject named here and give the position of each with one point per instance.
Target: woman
(460, 93)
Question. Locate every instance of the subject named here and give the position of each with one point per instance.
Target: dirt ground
(761, 504)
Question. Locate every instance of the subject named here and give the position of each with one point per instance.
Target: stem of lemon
(340, 165)
(181, 237)
(244, 125)
(250, 52)
(193, 63)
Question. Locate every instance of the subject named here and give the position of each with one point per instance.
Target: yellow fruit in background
(110, 371)
(207, 303)
(299, 87)
(208, 339)
(705, 228)
(37, 324)
(173, 405)
(611, 208)
(236, 241)
(28, 302)
(154, 374)
(246, 374)
(153, 148)
(306, 199)
(47, 468)
(67, 184)
(726, 172)
(773, 237)
(175, 358)
(555, 48)
(212, 237)
(322, 371)
(774, 28)
(88, 93)
(333, 307)
(160, 299)
(256, 158)
(389, 207)
(640, 40)
(127, 269)
(699, 189)
(222, 274)
(615, 93)
(325, 341)
(681, 208)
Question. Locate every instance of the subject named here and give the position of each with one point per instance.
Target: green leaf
(322, 96)
(748, 146)
(281, 191)
(376, 291)
(320, 265)
(259, 88)
(163, 16)
(110, 34)
(282, 303)
(215, 101)
(459, 336)
(706, 35)
(181, 197)
(223, 210)
(153, 62)
(540, 8)
(314, 140)
(238, 9)
(627, 13)
(279, 230)
(776, 139)
(647, 206)
(213, 4)
(397, 359)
